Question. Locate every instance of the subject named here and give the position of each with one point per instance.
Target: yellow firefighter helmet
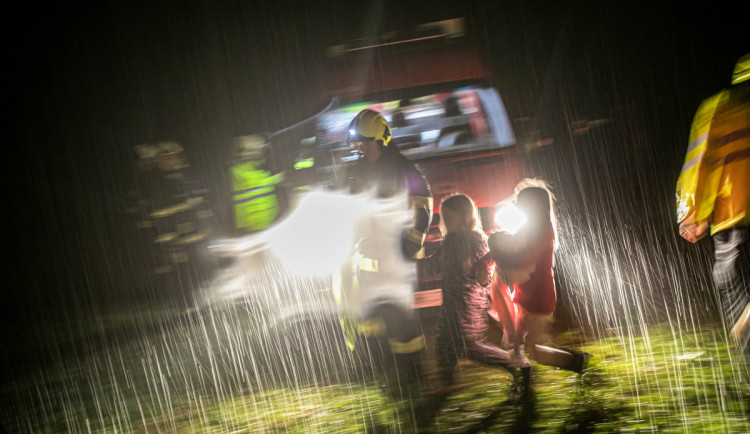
(369, 125)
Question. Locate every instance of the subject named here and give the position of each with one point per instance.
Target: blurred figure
(143, 192)
(183, 217)
(304, 166)
(713, 192)
(523, 292)
(145, 181)
(256, 201)
(383, 170)
(140, 202)
(462, 318)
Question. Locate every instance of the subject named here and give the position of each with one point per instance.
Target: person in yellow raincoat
(713, 194)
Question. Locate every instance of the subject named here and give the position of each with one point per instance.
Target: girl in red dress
(523, 290)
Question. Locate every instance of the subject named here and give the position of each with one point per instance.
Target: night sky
(87, 83)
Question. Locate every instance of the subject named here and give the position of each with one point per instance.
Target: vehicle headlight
(509, 219)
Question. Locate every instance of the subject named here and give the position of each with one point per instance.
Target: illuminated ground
(169, 380)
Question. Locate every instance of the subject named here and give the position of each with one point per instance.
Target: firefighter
(183, 217)
(383, 170)
(255, 196)
(713, 195)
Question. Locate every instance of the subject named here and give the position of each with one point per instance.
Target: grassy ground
(659, 382)
(659, 390)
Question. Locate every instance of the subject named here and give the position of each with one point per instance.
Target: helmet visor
(354, 139)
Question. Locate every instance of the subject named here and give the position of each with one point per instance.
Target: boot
(580, 361)
(522, 382)
(526, 383)
(405, 377)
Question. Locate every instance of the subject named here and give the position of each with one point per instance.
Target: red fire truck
(433, 88)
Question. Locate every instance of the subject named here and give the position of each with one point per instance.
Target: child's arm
(501, 307)
(484, 269)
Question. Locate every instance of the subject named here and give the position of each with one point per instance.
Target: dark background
(88, 82)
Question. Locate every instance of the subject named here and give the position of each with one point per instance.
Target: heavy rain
(189, 251)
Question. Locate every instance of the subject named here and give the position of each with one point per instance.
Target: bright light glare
(509, 219)
(352, 132)
(317, 238)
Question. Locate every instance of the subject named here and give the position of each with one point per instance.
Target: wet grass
(659, 382)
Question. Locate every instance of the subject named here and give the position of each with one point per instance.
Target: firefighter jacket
(390, 175)
(715, 180)
(255, 197)
(182, 213)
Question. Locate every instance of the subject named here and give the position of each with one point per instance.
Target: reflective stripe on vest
(304, 164)
(266, 193)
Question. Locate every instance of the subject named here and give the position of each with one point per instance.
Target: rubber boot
(581, 361)
(405, 378)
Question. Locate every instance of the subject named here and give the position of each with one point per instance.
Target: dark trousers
(455, 341)
(732, 278)
(396, 355)
(401, 324)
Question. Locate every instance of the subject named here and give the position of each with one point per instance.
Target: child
(462, 318)
(523, 292)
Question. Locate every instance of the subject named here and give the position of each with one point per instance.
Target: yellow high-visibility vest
(255, 201)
